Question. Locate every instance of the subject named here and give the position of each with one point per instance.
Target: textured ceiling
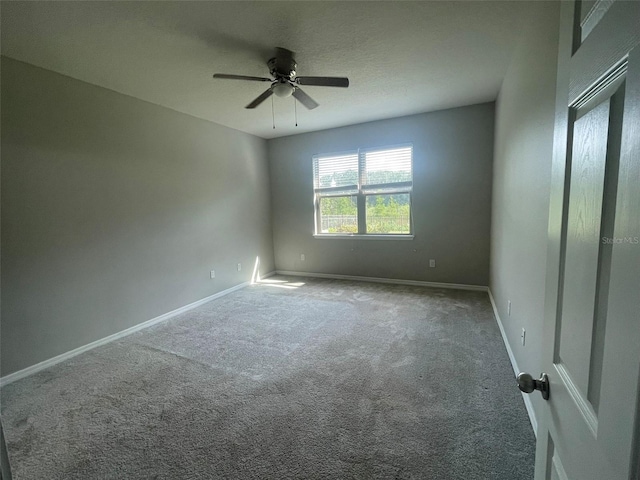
(401, 57)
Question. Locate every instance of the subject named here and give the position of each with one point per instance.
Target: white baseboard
(514, 364)
(419, 283)
(61, 358)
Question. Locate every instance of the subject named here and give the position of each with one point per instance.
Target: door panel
(592, 312)
(591, 12)
(582, 244)
(557, 469)
(608, 43)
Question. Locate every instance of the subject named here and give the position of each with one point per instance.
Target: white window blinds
(370, 170)
(386, 170)
(336, 174)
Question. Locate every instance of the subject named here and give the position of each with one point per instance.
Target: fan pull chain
(295, 110)
(273, 115)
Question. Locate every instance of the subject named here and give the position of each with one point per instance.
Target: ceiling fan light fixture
(285, 81)
(283, 89)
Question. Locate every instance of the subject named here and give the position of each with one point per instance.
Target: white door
(589, 427)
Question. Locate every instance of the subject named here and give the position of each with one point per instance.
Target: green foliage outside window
(386, 214)
(339, 214)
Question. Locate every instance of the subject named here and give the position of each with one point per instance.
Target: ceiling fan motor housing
(282, 67)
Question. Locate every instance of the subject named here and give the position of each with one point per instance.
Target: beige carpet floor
(291, 379)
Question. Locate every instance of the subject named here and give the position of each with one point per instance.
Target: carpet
(293, 378)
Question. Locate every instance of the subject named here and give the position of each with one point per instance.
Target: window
(365, 192)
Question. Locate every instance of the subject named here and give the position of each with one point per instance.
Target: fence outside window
(349, 224)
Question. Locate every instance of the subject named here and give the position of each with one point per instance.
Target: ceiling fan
(285, 82)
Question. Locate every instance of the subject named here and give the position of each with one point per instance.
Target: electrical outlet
(302, 257)
(213, 274)
(509, 307)
(523, 336)
(432, 263)
(239, 266)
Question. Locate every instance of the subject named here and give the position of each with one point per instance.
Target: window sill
(357, 236)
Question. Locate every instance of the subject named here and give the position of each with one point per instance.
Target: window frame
(363, 191)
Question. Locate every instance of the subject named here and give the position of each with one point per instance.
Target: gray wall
(453, 152)
(521, 182)
(114, 211)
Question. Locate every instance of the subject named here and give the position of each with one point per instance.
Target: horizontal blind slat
(332, 171)
(337, 192)
(387, 166)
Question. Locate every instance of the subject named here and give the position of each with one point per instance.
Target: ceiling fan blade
(304, 99)
(263, 96)
(241, 77)
(323, 81)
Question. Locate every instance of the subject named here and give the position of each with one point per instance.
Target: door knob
(528, 384)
